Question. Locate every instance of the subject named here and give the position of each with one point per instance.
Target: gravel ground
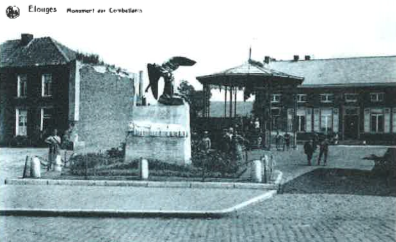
(341, 181)
(12, 160)
(121, 198)
(293, 163)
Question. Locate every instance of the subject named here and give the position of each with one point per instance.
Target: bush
(214, 161)
(92, 160)
(20, 141)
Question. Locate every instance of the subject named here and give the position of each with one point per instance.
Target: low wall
(104, 109)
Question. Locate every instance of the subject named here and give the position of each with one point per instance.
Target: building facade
(353, 97)
(44, 87)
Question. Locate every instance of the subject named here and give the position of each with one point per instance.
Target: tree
(195, 98)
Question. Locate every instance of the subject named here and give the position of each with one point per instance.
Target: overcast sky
(217, 34)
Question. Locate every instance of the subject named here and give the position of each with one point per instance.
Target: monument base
(160, 132)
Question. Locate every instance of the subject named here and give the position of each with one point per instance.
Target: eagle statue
(155, 72)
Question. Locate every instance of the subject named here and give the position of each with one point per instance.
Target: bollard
(272, 166)
(256, 172)
(25, 169)
(35, 169)
(58, 163)
(265, 161)
(143, 169)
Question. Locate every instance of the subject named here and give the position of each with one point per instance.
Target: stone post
(58, 163)
(143, 169)
(256, 172)
(35, 169)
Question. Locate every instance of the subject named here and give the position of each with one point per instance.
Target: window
(326, 98)
(301, 98)
(394, 120)
(377, 120)
(46, 119)
(377, 97)
(351, 111)
(290, 115)
(22, 86)
(46, 85)
(301, 120)
(351, 97)
(275, 98)
(326, 122)
(275, 112)
(21, 122)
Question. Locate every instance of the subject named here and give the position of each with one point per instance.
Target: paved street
(296, 215)
(283, 218)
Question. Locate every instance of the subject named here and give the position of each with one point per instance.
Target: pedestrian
(286, 138)
(54, 142)
(257, 125)
(238, 144)
(323, 150)
(205, 145)
(308, 150)
(278, 140)
(315, 141)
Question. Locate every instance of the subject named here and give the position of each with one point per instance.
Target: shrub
(214, 161)
(92, 160)
(20, 141)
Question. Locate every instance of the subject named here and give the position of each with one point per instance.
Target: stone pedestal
(160, 132)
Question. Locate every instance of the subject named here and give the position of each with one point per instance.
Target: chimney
(307, 57)
(141, 84)
(267, 59)
(26, 38)
(296, 57)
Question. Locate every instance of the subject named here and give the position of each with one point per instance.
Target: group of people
(311, 146)
(232, 143)
(286, 138)
(254, 133)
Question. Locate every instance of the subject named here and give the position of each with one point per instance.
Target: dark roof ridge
(338, 58)
(55, 43)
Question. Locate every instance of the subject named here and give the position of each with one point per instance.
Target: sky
(216, 34)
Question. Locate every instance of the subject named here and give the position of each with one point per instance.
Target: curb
(220, 185)
(135, 213)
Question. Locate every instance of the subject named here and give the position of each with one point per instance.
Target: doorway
(351, 124)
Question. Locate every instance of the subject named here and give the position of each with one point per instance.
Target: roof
(362, 71)
(38, 52)
(238, 75)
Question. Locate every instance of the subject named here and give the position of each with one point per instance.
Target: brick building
(43, 86)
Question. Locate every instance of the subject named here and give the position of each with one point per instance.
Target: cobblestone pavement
(284, 218)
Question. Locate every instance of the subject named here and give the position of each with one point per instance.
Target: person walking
(54, 143)
(315, 141)
(278, 140)
(308, 150)
(205, 145)
(286, 138)
(323, 151)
